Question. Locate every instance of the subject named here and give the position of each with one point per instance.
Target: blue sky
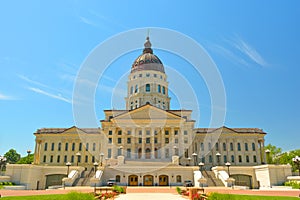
(254, 44)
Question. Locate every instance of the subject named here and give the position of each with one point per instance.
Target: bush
(119, 189)
(178, 189)
(294, 184)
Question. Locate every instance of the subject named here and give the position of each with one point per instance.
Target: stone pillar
(133, 142)
(143, 143)
(152, 143)
(162, 144)
(114, 142)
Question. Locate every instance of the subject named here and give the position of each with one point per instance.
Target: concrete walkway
(149, 196)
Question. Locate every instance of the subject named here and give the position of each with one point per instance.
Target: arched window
(148, 87)
(46, 146)
(224, 146)
(131, 89)
(239, 147)
(178, 179)
(232, 158)
(163, 90)
(159, 88)
(253, 146)
(118, 178)
(136, 89)
(59, 147)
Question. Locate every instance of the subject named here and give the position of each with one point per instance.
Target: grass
(217, 196)
(69, 196)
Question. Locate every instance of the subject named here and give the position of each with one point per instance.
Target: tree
(12, 156)
(26, 160)
(272, 157)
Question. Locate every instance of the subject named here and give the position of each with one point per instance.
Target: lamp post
(228, 165)
(201, 164)
(78, 156)
(195, 158)
(28, 154)
(267, 151)
(68, 164)
(95, 166)
(101, 158)
(218, 158)
(296, 160)
(189, 160)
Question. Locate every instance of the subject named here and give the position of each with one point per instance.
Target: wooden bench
(101, 189)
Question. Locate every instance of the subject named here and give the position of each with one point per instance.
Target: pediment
(73, 130)
(147, 112)
(225, 130)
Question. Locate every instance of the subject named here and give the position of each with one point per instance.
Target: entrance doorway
(148, 180)
(54, 179)
(133, 180)
(163, 180)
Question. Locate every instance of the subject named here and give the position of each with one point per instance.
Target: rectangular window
(209, 146)
(186, 140)
(93, 159)
(185, 132)
(46, 146)
(44, 159)
(253, 146)
(217, 146)
(167, 140)
(119, 151)
(80, 146)
(231, 146)
(147, 132)
(163, 90)
(246, 146)
(128, 140)
(186, 154)
(79, 159)
(128, 153)
(51, 159)
(120, 132)
(109, 152)
(210, 159)
(232, 158)
(59, 147)
(147, 87)
(224, 146)
(239, 147)
(86, 159)
(166, 132)
(254, 159)
(109, 140)
(240, 158)
(72, 159)
(119, 140)
(52, 147)
(65, 159)
(136, 89)
(87, 146)
(176, 132)
(247, 159)
(148, 140)
(159, 89)
(140, 132)
(167, 153)
(128, 132)
(109, 132)
(176, 140)
(140, 140)
(94, 146)
(67, 147)
(58, 159)
(155, 140)
(225, 159)
(73, 146)
(202, 146)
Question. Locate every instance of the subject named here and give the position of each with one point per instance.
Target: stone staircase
(212, 181)
(84, 179)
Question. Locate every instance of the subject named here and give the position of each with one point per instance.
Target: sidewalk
(149, 196)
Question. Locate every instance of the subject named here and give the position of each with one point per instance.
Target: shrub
(118, 189)
(178, 189)
(294, 184)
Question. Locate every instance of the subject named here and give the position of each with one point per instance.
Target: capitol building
(147, 144)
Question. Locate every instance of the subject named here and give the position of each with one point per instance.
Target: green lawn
(70, 196)
(216, 196)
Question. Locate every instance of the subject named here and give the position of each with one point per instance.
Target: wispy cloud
(249, 51)
(54, 96)
(6, 97)
(87, 21)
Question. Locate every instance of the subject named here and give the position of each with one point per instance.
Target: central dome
(147, 61)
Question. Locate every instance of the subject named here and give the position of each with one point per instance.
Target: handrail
(87, 177)
(209, 176)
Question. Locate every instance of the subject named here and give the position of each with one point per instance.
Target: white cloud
(54, 96)
(5, 97)
(87, 21)
(249, 51)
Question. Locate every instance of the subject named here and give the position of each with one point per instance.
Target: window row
(147, 140)
(160, 89)
(65, 159)
(225, 146)
(140, 132)
(148, 75)
(69, 146)
(232, 159)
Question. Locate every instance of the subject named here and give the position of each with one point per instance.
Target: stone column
(114, 142)
(143, 143)
(162, 152)
(133, 141)
(152, 143)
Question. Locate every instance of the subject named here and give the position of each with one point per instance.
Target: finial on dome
(147, 45)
